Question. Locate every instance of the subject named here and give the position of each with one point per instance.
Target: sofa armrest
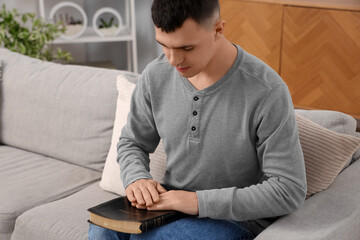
(330, 214)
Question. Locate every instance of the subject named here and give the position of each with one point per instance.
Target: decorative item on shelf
(72, 16)
(107, 22)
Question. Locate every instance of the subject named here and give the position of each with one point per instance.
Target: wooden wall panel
(256, 27)
(321, 58)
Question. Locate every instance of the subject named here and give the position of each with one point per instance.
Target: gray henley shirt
(235, 143)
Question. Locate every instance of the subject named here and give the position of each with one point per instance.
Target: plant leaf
(33, 39)
(24, 18)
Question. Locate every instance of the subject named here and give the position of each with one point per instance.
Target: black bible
(118, 215)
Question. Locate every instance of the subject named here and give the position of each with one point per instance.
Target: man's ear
(219, 27)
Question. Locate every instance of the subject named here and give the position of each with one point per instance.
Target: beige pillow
(325, 153)
(111, 180)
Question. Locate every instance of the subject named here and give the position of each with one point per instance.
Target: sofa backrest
(61, 111)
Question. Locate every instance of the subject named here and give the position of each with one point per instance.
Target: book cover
(118, 215)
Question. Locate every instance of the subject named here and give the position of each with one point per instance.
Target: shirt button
(193, 128)
(196, 98)
(195, 113)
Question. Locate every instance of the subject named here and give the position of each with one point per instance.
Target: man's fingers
(135, 204)
(155, 207)
(146, 195)
(130, 195)
(160, 188)
(139, 196)
(138, 206)
(163, 204)
(154, 194)
(144, 192)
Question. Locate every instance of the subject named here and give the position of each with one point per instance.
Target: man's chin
(187, 74)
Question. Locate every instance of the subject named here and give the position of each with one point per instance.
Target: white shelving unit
(127, 34)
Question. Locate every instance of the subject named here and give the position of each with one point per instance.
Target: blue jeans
(186, 228)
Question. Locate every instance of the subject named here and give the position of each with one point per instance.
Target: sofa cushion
(332, 120)
(329, 215)
(62, 111)
(28, 180)
(65, 219)
(111, 180)
(325, 153)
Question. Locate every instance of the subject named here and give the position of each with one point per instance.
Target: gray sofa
(56, 128)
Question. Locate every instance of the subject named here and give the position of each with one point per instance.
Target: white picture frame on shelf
(107, 31)
(73, 28)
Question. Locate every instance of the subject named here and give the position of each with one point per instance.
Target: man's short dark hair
(168, 15)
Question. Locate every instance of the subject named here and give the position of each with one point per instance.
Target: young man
(228, 127)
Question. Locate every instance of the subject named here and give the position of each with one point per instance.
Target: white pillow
(111, 180)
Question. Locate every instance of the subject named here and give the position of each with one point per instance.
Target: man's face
(189, 49)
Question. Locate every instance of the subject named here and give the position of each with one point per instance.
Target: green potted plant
(29, 35)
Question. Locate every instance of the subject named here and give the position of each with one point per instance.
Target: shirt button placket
(195, 122)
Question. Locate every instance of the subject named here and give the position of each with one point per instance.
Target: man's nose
(175, 57)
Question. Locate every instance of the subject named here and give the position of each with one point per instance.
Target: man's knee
(195, 228)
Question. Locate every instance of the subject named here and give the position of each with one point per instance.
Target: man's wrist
(134, 179)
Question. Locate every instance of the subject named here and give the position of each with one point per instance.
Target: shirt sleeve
(139, 137)
(283, 188)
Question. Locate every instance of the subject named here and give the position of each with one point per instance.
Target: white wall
(147, 47)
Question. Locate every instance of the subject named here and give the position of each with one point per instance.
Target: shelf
(90, 36)
(127, 34)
